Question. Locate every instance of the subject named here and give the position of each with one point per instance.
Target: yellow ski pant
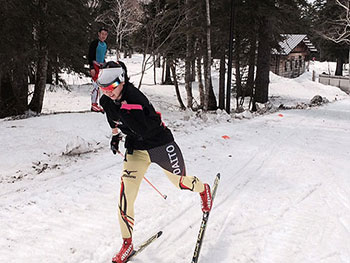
(135, 166)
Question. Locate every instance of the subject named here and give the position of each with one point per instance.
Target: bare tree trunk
(143, 69)
(36, 103)
(222, 82)
(178, 95)
(211, 101)
(14, 89)
(188, 73)
(263, 62)
(207, 73)
(239, 90)
(251, 65)
(193, 69)
(188, 84)
(57, 77)
(200, 82)
(167, 80)
(154, 70)
(339, 67)
(49, 78)
(206, 81)
(163, 70)
(117, 55)
(349, 63)
(31, 74)
(158, 58)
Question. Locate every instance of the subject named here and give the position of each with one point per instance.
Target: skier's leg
(135, 166)
(193, 184)
(182, 182)
(170, 158)
(94, 93)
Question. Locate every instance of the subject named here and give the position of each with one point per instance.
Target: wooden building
(291, 59)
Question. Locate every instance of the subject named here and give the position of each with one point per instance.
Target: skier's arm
(107, 104)
(134, 116)
(116, 138)
(92, 53)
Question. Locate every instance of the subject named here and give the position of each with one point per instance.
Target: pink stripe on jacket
(131, 107)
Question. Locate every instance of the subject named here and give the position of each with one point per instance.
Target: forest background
(185, 37)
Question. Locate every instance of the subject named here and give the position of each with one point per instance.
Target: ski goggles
(109, 78)
(110, 87)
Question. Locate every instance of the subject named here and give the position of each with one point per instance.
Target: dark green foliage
(39, 30)
(174, 29)
(68, 26)
(16, 45)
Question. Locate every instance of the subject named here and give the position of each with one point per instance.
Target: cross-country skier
(147, 140)
(96, 56)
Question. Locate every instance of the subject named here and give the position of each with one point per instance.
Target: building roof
(291, 41)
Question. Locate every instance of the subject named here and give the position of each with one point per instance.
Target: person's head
(111, 80)
(102, 34)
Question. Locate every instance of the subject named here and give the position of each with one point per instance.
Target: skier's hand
(116, 138)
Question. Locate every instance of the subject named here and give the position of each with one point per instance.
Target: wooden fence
(338, 81)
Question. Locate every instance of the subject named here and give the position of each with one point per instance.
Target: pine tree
(16, 45)
(38, 32)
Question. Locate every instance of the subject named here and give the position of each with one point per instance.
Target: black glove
(115, 142)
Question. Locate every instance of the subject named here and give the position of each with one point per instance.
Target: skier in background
(96, 56)
(147, 141)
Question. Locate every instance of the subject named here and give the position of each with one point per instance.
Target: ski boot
(125, 252)
(206, 201)
(96, 108)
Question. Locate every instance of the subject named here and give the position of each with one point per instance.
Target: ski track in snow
(292, 220)
(60, 207)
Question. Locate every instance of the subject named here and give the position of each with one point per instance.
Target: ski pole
(164, 196)
(144, 177)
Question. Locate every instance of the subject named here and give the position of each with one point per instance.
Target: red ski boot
(206, 201)
(96, 108)
(125, 252)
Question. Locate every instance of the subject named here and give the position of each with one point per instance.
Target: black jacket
(137, 119)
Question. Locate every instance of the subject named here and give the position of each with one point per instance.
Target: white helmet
(109, 75)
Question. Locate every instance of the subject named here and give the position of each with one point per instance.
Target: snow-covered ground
(284, 195)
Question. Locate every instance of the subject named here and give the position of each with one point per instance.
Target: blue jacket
(92, 52)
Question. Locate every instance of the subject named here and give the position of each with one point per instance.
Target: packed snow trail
(289, 202)
(284, 194)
